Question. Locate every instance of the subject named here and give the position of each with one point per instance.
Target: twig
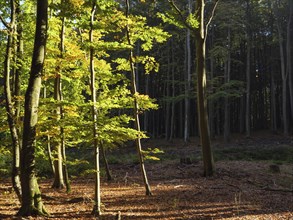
(211, 17)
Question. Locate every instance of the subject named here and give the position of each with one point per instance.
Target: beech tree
(31, 196)
(196, 23)
(12, 106)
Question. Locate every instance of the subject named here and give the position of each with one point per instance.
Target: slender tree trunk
(248, 83)
(227, 80)
(211, 102)
(187, 83)
(167, 122)
(63, 147)
(108, 172)
(136, 109)
(49, 150)
(50, 157)
(57, 150)
(200, 34)
(60, 142)
(284, 82)
(289, 55)
(146, 114)
(31, 196)
(283, 71)
(10, 107)
(97, 197)
(247, 106)
(172, 122)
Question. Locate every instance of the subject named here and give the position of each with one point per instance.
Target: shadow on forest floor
(242, 188)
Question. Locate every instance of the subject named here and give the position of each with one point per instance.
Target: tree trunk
(97, 197)
(167, 122)
(187, 84)
(200, 34)
(283, 71)
(59, 143)
(227, 80)
(31, 195)
(11, 109)
(136, 109)
(289, 55)
(247, 106)
(108, 172)
(172, 122)
(63, 151)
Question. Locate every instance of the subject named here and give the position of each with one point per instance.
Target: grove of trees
(102, 73)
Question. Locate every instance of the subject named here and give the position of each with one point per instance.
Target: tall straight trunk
(187, 83)
(62, 135)
(31, 196)
(136, 108)
(227, 80)
(248, 83)
(211, 103)
(200, 39)
(10, 106)
(97, 197)
(167, 122)
(146, 114)
(172, 122)
(289, 55)
(49, 150)
(284, 82)
(57, 150)
(60, 167)
(284, 74)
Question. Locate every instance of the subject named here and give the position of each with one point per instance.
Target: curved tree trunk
(31, 196)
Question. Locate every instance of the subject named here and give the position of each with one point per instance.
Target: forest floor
(252, 181)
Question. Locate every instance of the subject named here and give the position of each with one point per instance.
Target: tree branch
(5, 23)
(180, 14)
(211, 17)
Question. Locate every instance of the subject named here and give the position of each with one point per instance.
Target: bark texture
(31, 196)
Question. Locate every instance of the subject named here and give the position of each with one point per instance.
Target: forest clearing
(242, 188)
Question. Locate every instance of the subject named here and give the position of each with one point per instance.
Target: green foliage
(151, 154)
(192, 21)
(171, 18)
(5, 161)
(231, 89)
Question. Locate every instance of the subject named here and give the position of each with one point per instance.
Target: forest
(146, 109)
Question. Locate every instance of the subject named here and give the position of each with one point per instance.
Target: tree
(196, 23)
(136, 108)
(31, 196)
(12, 108)
(97, 197)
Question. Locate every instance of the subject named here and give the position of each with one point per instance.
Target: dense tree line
(83, 73)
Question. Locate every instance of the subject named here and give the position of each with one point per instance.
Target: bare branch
(211, 17)
(5, 23)
(174, 6)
